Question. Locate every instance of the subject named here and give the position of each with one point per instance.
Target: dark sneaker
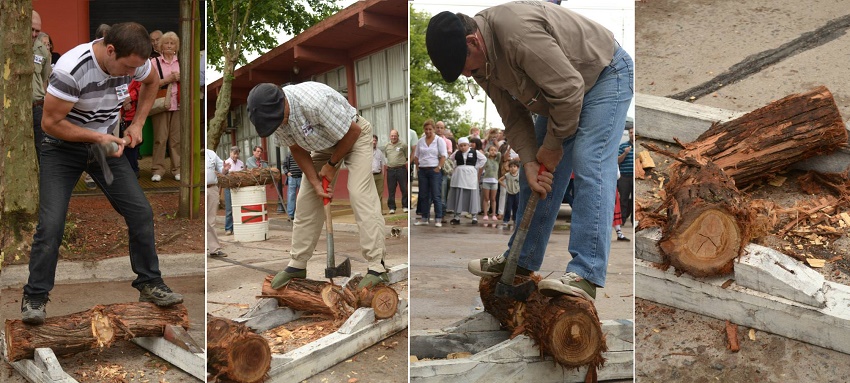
(34, 309)
(159, 294)
(455, 221)
(371, 279)
(487, 267)
(218, 254)
(621, 237)
(475, 221)
(283, 277)
(569, 284)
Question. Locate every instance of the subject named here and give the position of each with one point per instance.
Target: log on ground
(234, 352)
(324, 298)
(565, 327)
(97, 327)
(770, 139)
(249, 177)
(707, 224)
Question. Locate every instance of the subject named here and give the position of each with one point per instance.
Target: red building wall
(66, 21)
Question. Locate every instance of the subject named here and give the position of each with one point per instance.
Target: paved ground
(234, 282)
(682, 45)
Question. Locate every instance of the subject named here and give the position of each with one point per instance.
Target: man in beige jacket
(537, 57)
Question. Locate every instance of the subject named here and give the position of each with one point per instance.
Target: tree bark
(565, 327)
(97, 327)
(769, 139)
(18, 208)
(249, 177)
(324, 298)
(707, 222)
(235, 352)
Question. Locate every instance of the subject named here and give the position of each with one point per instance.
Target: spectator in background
(40, 77)
(474, 132)
(54, 55)
(214, 166)
(430, 156)
(155, 36)
(293, 184)
(256, 160)
(166, 125)
(128, 113)
(101, 31)
(379, 161)
(236, 165)
(396, 171)
(446, 176)
(626, 183)
(412, 139)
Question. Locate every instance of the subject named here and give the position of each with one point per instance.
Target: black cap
(446, 43)
(265, 108)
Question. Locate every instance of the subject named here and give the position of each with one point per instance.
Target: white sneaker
(177, 177)
(438, 224)
(420, 223)
(156, 178)
(404, 210)
(392, 211)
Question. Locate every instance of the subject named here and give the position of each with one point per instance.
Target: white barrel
(250, 218)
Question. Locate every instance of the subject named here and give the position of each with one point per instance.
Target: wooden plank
(192, 363)
(769, 271)
(664, 119)
(827, 327)
(308, 360)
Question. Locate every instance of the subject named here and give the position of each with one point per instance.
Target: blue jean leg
(62, 165)
(591, 154)
(228, 211)
(430, 183)
(292, 186)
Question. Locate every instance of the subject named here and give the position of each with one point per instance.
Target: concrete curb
(107, 270)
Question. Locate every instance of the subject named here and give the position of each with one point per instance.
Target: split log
(565, 327)
(97, 327)
(235, 352)
(324, 298)
(770, 139)
(249, 177)
(707, 224)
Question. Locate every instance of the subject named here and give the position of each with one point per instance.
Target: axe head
(520, 292)
(343, 270)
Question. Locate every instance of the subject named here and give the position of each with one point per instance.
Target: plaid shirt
(318, 116)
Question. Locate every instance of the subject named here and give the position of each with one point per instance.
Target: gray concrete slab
(443, 291)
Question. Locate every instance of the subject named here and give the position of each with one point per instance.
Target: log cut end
(706, 245)
(575, 334)
(384, 302)
(249, 359)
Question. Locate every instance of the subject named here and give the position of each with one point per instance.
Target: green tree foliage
(238, 26)
(430, 95)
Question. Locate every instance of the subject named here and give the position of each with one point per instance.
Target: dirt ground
(95, 231)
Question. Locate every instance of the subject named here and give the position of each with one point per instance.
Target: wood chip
(732, 337)
(413, 359)
(459, 355)
(816, 263)
(752, 334)
(727, 283)
(846, 218)
(777, 180)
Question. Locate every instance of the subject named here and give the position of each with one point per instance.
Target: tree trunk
(565, 327)
(18, 208)
(324, 298)
(707, 222)
(97, 327)
(236, 352)
(249, 177)
(769, 139)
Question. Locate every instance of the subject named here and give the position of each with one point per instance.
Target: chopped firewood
(816, 263)
(732, 337)
(639, 172)
(646, 160)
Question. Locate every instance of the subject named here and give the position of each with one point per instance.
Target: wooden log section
(320, 297)
(565, 327)
(707, 223)
(249, 177)
(771, 138)
(97, 327)
(235, 352)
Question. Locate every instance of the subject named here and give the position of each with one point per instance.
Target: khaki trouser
(212, 210)
(379, 186)
(310, 214)
(166, 128)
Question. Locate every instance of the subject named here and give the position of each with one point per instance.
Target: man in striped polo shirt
(88, 85)
(626, 183)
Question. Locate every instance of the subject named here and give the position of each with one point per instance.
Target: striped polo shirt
(96, 95)
(627, 167)
(318, 116)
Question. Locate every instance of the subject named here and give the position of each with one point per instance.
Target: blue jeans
(592, 155)
(228, 211)
(62, 163)
(396, 177)
(37, 133)
(511, 205)
(292, 186)
(430, 183)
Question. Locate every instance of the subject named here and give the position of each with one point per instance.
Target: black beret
(446, 43)
(265, 108)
